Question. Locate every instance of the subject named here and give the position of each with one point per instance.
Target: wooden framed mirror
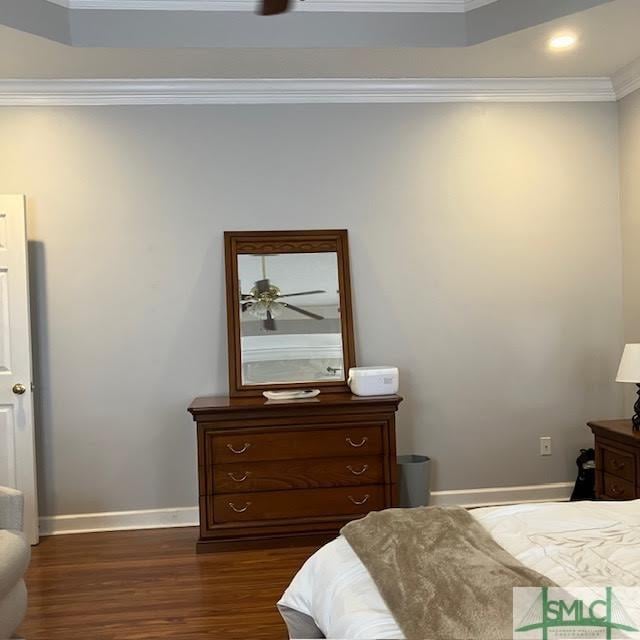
(289, 315)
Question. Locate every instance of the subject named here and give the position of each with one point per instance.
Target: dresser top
(224, 404)
(620, 429)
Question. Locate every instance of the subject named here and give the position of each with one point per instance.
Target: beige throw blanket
(440, 572)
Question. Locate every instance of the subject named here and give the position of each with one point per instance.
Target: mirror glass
(290, 327)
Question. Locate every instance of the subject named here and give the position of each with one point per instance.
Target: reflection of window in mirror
(290, 328)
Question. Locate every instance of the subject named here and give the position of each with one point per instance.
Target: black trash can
(414, 473)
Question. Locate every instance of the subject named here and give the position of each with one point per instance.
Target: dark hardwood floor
(151, 584)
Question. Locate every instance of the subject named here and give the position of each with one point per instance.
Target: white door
(17, 450)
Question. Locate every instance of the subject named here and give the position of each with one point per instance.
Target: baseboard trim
(119, 521)
(494, 496)
(184, 91)
(188, 516)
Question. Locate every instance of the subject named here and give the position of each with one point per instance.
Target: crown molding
(470, 5)
(386, 6)
(301, 91)
(627, 79)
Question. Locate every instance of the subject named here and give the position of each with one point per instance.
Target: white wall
(630, 170)
(629, 116)
(486, 262)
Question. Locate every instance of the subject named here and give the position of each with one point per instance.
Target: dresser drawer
(293, 445)
(618, 463)
(280, 475)
(616, 488)
(305, 503)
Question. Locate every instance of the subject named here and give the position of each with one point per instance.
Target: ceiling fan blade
(302, 293)
(315, 316)
(246, 301)
(262, 286)
(273, 7)
(269, 323)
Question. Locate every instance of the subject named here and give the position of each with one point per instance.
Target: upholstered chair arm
(11, 509)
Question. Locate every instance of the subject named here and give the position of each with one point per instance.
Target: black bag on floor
(585, 483)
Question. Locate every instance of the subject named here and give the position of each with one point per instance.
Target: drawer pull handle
(244, 476)
(238, 451)
(359, 501)
(616, 491)
(356, 472)
(239, 509)
(357, 444)
(617, 465)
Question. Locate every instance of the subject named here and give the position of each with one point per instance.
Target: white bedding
(576, 544)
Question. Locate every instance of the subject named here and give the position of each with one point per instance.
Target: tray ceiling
(120, 23)
(392, 6)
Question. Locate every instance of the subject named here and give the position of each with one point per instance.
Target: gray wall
(630, 197)
(630, 172)
(486, 262)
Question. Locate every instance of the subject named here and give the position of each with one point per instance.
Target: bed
(580, 544)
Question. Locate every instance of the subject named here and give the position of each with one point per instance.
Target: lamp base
(636, 416)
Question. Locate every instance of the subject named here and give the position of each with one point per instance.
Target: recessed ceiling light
(563, 41)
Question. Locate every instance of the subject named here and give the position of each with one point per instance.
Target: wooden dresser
(617, 460)
(274, 473)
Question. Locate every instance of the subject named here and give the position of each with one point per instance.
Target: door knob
(19, 389)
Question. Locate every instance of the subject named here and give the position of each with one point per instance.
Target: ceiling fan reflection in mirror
(264, 301)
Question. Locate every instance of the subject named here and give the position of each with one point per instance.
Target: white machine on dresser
(374, 381)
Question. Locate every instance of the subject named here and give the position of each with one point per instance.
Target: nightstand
(617, 460)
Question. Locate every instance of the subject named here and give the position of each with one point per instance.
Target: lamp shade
(629, 370)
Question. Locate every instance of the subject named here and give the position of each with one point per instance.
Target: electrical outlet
(545, 446)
